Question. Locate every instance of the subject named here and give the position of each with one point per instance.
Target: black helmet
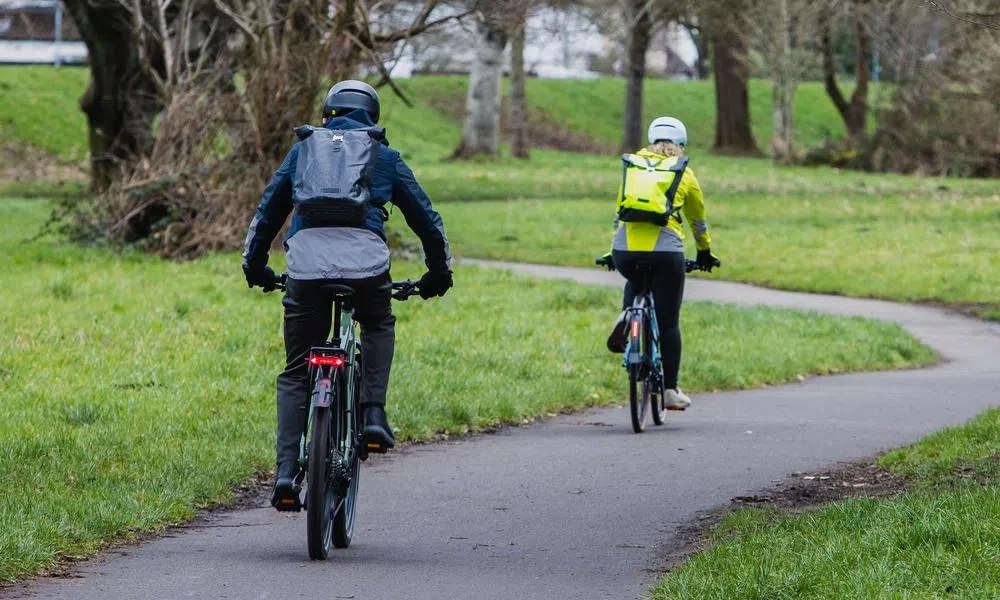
(350, 95)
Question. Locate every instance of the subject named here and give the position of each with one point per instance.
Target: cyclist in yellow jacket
(639, 246)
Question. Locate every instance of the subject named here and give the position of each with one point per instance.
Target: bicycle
(642, 350)
(332, 446)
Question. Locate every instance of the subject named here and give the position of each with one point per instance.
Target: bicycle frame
(642, 322)
(331, 369)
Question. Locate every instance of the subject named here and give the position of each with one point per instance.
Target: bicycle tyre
(657, 403)
(638, 398)
(319, 493)
(343, 520)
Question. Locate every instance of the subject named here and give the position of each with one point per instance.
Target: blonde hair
(665, 148)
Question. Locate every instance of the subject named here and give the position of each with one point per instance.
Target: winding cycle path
(577, 507)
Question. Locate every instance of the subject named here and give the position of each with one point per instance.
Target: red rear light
(635, 328)
(326, 361)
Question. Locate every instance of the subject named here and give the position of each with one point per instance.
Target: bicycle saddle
(338, 291)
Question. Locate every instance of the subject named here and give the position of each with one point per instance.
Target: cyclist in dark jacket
(318, 254)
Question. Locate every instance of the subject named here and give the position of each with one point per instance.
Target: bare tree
(854, 112)
(141, 51)
(481, 134)
(784, 26)
(518, 93)
(943, 115)
(639, 31)
(121, 97)
(723, 25)
(185, 183)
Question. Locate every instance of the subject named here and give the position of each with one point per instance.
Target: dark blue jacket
(392, 181)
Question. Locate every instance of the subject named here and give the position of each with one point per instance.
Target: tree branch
(969, 17)
(416, 29)
(829, 67)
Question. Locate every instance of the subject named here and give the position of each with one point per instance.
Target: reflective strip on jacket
(647, 237)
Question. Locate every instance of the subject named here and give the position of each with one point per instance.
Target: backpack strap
(679, 167)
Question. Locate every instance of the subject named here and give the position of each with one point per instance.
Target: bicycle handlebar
(689, 265)
(405, 289)
(402, 289)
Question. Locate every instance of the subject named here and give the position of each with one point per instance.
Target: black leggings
(667, 285)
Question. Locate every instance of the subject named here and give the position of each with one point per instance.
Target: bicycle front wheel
(638, 398)
(343, 520)
(319, 493)
(657, 400)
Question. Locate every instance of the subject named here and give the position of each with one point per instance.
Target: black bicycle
(333, 445)
(642, 350)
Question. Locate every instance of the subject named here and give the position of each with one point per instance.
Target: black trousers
(308, 318)
(667, 285)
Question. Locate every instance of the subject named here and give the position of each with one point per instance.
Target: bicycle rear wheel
(638, 398)
(343, 520)
(319, 493)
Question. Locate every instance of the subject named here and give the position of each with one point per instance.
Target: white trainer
(676, 400)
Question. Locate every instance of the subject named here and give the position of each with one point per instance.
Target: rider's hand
(607, 261)
(435, 283)
(706, 261)
(260, 276)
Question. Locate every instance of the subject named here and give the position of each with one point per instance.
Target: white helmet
(667, 129)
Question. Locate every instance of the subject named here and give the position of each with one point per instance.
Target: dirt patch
(976, 310)
(19, 164)
(799, 492)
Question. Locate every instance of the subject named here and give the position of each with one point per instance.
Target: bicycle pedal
(285, 500)
(677, 409)
(374, 447)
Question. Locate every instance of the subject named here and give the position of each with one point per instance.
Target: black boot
(286, 494)
(378, 433)
(618, 340)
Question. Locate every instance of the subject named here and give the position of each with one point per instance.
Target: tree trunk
(640, 32)
(518, 97)
(783, 82)
(733, 134)
(853, 112)
(702, 63)
(782, 98)
(482, 103)
(121, 100)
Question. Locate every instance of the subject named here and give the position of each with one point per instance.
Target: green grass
(953, 455)
(596, 107)
(136, 390)
(40, 106)
(815, 229)
(940, 540)
(895, 246)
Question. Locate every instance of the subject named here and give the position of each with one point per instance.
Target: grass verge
(941, 539)
(895, 246)
(136, 391)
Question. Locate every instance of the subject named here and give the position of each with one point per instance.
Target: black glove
(260, 276)
(606, 261)
(435, 283)
(707, 262)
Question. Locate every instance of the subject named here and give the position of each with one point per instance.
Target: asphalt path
(575, 507)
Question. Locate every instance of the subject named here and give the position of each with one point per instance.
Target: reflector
(327, 361)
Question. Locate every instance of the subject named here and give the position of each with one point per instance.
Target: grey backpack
(333, 175)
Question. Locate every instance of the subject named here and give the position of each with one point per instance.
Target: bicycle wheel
(319, 493)
(638, 392)
(343, 520)
(657, 403)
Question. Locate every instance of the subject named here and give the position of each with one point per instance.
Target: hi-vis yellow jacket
(649, 237)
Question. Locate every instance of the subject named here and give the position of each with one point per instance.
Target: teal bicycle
(642, 351)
